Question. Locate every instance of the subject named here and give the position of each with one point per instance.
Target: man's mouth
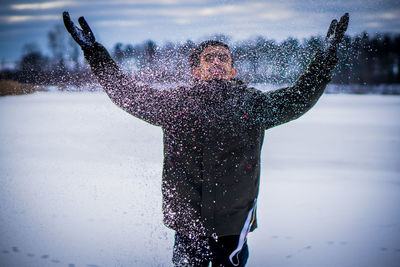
(216, 71)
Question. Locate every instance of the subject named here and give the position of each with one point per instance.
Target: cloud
(374, 24)
(59, 4)
(120, 23)
(21, 19)
(148, 2)
(160, 2)
(265, 11)
(394, 14)
(181, 21)
(273, 11)
(43, 6)
(220, 10)
(382, 19)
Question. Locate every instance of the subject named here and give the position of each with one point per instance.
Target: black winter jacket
(213, 135)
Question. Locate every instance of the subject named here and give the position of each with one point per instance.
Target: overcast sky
(134, 21)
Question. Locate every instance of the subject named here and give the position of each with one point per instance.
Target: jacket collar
(215, 91)
(217, 83)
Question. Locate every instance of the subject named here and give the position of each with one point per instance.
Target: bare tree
(57, 37)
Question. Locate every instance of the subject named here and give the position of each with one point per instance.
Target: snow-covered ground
(80, 185)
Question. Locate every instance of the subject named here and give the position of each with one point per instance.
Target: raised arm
(286, 104)
(143, 102)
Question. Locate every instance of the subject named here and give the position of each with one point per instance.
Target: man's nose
(217, 60)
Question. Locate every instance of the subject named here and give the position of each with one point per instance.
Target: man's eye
(223, 57)
(209, 58)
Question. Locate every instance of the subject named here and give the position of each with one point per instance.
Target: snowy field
(80, 185)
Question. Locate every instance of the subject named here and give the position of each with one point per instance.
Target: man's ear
(233, 73)
(196, 72)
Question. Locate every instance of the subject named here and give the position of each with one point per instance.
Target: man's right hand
(335, 33)
(84, 37)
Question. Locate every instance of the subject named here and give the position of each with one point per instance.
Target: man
(213, 134)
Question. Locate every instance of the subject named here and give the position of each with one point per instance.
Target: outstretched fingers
(343, 23)
(69, 25)
(86, 29)
(75, 32)
(341, 28)
(331, 29)
(84, 35)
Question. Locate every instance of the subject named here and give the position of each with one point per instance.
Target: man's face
(215, 64)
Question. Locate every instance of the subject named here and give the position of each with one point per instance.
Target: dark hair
(194, 57)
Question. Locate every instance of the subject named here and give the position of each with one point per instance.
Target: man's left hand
(84, 37)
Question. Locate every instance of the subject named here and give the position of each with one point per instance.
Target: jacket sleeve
(286, 104)
(141, 101)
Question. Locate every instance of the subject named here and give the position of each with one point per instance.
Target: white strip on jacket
(243, 234)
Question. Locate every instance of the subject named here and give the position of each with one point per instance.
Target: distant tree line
(364, 59)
